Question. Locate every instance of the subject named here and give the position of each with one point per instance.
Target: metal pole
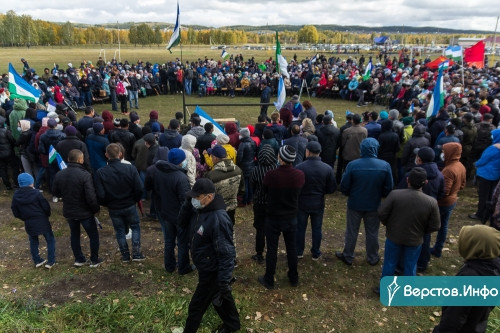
(230, 104)
(119, 53)
(494, 43)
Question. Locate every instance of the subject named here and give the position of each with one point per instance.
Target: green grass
(144, 298)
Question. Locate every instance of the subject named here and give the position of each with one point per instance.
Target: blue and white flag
(313, 59)
(60, 162)
(437, 98)
(54, 155)
(454, 52)
(20, 88)
(281, 94)
(51, 105)
(176, 35)
(224, 55)
(205, 118)
(368, 71)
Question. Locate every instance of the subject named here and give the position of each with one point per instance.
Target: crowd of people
(282, 166)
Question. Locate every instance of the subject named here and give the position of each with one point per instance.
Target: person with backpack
(188, 80)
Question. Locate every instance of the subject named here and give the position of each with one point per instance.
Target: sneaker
(474, 216)
(80, 263)
(129, 235)
(40, 264)
(49, 266)
(96, 263)
(125, 260)
(258, 258)
(341, 256)
(300, 256)
(190, 269)
(139, 257)
(316, 258)
(55, 199)
(263, 282)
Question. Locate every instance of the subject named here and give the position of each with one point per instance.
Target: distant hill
(283, 27)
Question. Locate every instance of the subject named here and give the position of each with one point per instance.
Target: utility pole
(494, 43)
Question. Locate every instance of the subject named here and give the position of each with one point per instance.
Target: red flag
(474, 55)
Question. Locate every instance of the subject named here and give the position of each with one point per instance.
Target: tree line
(23, 30)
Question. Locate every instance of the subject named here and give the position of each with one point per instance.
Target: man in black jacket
(329, 138)
(123, 136)
(204, 141)
(213, 253)
(119, 187)
(74, 184)
(169, 183)
(71, 142)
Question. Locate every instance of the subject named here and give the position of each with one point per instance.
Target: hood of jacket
(230, 128)
(418, 131)
(308, 126)
(369, 147)
(107, 116)
(170, 133)
(479, 242)
(267, 156)
(495, 136)
(386, 126)
(452, 152)
(20, 105)
(431, 169)
(188, 142)
(225, 166)
(25, 125)
(166, 167)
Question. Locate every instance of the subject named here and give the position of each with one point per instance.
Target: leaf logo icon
(392, 289)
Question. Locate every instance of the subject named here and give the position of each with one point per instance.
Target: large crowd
(283, 166)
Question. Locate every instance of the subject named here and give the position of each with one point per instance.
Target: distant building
(467, 42)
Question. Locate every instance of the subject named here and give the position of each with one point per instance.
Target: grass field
(331, 297)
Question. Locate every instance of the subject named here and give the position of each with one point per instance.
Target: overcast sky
(476, 15)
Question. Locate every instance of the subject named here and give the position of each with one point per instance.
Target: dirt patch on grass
(87, 286)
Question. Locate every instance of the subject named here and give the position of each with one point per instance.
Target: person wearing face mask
(213, 253)
(169, 183)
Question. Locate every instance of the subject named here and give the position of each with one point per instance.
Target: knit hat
(176, 156)
(245, 132)
(25, 179)
(407, 120)
(383, 115)
(70, 130)
(134, 117)
(295, 98)
(202, 186)
(287, 154)
(426, 154)
(52, 123)
(314, 147)
(394, 114)
(222, 139)
(153, 115)
(155, 127)
(218, 151)
(417, 177)
(150, 139)
(97, 127)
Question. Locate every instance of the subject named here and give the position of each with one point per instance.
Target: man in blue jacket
(365, 181)
(213, 253)
(320, 180)
(119, 187)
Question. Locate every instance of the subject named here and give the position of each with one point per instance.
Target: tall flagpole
(494, 43)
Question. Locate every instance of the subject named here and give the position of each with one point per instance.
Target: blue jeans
(394, 253)
(123, 219)
(39, 177)
(90, 227)
(372, 225)
(445, 213)
(202, 90)
(187, 86)
(133, 95)
(316, 223)
(51, 248)
(142, 175)
(171, 232)
(87, 97)
(425, 254)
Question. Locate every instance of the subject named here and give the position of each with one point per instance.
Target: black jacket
(30, 206)
(211, 238)
(74, 184)
(6, 143)
(203, 142)
(170, 139)
(299, 143)
(118, 185)
(136, 130)
(329, 138)
(417, 140)
(389, 142)
(72, 142)
(169, 184)
(50, 138)
(319, 181)
(246, 155)
(124, 137)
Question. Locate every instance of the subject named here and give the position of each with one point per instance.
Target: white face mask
(196, 203)
(184, 164)
(442, 157)
(19, 129)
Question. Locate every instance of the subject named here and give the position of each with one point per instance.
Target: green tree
(132, 35)
(308, 34)
(144, 34)
(157, 36)
(66, 33)
(11, 28)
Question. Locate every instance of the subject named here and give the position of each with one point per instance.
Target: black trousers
(259, 223)
(206, 290)
(485, 190)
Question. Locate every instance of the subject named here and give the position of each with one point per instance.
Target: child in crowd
(29, 205)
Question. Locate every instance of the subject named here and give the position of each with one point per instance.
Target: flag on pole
(205, 118)
(54, 155)
(281, 64)
(368, 71)
(313, 59)
(437, 98)
(281, 94)
(20, 88)
(224, 55)
(454, 52)
(176, 35)
(474, 55)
